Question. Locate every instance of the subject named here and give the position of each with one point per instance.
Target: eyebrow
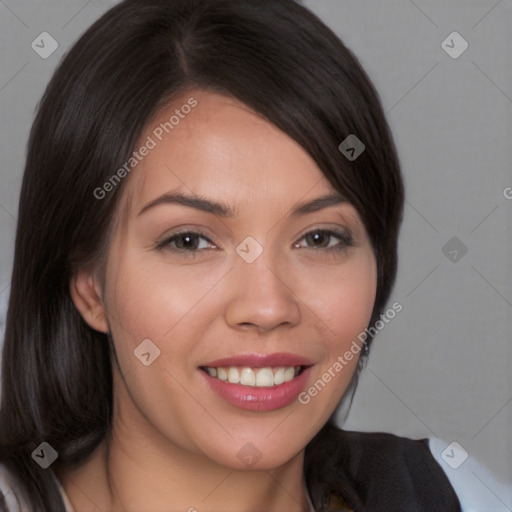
(223, 210)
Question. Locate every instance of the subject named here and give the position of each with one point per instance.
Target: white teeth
(265, 377)
(247, 378)
(233, 375)
(255, 377)
(279, 376)
(289, 373)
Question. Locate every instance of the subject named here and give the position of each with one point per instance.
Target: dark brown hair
(274, 56)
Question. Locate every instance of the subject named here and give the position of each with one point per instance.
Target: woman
(207, 232)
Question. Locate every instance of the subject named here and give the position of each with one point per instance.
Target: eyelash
(344, 237)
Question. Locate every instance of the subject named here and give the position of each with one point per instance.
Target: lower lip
(259, 399)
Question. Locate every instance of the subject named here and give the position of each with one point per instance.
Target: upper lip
(261, 360)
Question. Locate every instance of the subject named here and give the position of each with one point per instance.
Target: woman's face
(263, 283)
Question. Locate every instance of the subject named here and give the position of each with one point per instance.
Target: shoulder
(10, 492)
(377, 471)
(372, 468)
(14, 499)
(475, 486)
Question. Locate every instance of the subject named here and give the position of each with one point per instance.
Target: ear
(86, 293)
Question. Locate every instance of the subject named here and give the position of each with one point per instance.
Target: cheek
(167, 303)
(344, 304)
(343, 299)
(156, 296)
(160, 303)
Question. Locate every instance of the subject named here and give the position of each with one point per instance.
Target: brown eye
(186, 241)
(318, 239)
(326, 239)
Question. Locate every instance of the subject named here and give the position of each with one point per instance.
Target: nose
(261, 295)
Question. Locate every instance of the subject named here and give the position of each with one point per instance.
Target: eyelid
(344, 233)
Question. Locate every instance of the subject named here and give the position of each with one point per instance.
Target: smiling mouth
(269, 376)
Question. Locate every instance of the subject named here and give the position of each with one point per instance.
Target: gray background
(442, 367)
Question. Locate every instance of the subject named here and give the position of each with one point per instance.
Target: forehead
(221, 149)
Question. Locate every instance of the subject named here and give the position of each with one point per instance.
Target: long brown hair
(276, 57)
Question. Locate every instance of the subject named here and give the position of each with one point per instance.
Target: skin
(175, 441)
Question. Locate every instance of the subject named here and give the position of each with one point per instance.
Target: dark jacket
(375, 472)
